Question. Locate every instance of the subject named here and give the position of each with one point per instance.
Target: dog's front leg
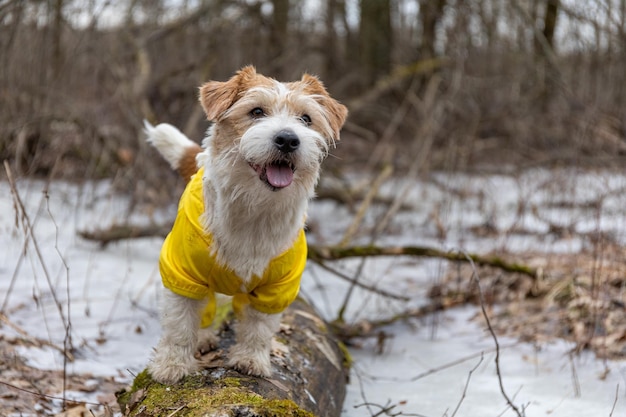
(254, 331)
(180, 319)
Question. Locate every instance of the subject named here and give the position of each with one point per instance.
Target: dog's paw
(207, 341)
(250, 362)
(171, 368)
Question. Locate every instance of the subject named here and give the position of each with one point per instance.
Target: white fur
(169, 141)
(254, 332)
(180, 319)
(249, 222)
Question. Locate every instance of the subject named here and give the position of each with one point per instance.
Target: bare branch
(464, 394)
(360, 284)
(358, 218)
(121, 232)
(334, 253)
(28, 225)
(520, 413)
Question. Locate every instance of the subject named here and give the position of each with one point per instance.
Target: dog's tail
(175, 147)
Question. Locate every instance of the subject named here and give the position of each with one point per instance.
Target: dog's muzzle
(279, 173)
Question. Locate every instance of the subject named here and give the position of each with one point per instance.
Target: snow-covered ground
(440, 366)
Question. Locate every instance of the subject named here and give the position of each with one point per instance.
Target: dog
(240, 223)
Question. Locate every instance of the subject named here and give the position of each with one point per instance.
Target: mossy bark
(309, 375)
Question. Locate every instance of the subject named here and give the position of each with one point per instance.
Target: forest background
(461, 83)
(460, 87)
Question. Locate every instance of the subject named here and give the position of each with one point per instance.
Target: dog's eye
(306, 119)
(257, 112)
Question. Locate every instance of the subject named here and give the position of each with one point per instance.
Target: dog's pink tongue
(279, 176)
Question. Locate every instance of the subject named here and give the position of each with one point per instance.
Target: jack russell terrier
(239, 228)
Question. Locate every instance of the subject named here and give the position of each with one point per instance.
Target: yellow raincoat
(188, 268)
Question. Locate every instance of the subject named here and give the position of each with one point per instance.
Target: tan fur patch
(188, 165)
(217, 96)
(336, 112)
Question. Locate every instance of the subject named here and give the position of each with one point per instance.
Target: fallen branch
(320, 254)
(330, 253)
(370, 328)
(350, 197)
(121, 232)
(360, 284)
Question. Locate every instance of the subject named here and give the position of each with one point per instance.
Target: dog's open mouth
(277, 174)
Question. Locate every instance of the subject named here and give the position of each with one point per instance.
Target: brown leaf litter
(28, 391)
(578, 297)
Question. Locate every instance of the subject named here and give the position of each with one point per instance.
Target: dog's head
(271, 134)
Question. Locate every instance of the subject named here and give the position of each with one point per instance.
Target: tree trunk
(547, 49)
(430, 14)
(331, 57)
(549, 25)
(57, 49)
(310, 371)
(375, 40)
(279, 33)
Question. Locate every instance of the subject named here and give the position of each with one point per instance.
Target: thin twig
(27, 237)
(352, 229)
(29, 227)
(359, 284)
(37, 394)
(575, 381)
(464, 394)
(520, 413)
(386, 410)
(347, 332)
(615, 401)
(424, 139)
(176, 411)
(437, 369)
(360, 214)
(383, 409)
(346, 299)
(362, 390)
(35, 341)
(67, 340)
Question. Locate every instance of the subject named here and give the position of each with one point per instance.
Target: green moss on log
(198, 396)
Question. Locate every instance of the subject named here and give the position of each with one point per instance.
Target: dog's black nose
(286, 141)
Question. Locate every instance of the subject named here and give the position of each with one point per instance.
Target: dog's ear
(217, 96)
(337, 114)
(335, 111)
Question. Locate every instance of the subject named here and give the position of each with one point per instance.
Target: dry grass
(580, 298)
(27, 390)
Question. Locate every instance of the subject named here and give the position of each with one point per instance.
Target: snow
(541, 379)
(439, 366)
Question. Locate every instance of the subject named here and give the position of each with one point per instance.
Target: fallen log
(309, 375)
